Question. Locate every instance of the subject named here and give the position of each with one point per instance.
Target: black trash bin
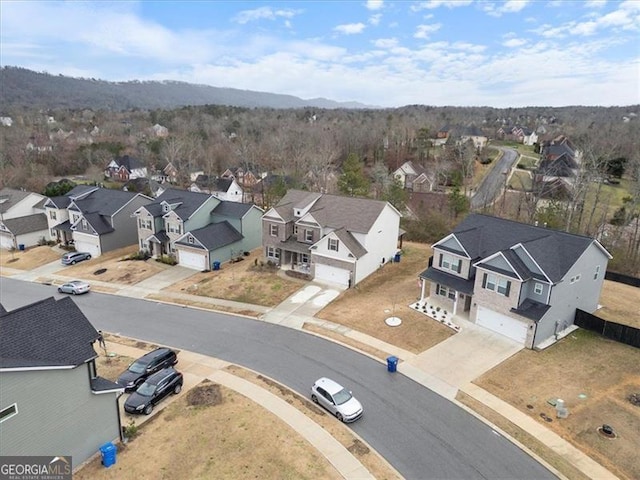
(108, 452)
(392, 363)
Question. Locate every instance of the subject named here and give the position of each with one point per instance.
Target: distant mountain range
(23, 88)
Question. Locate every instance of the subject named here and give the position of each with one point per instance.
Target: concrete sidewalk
(446, 368)
(196, 367)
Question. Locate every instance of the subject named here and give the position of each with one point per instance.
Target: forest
(353, 152)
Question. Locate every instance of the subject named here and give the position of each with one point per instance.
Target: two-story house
(223, 188)
(337, 240)
(52, 400)
(96, 220)
(125, 168)
(198, 228)
(22, 218)
(520, 280)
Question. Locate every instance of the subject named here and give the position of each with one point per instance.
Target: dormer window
(190, 240)
(273, 230)
(308, 235)
(333, 244)
(165, 207)
(297, 212)
(449, 262)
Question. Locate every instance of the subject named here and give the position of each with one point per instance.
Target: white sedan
(337, 399)
(74, 287)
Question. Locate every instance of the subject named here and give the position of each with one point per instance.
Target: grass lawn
(28, 259)
(594, 376)
(620, 303)
(521, 180)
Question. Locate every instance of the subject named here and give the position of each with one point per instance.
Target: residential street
(494, 183)
(420, 433)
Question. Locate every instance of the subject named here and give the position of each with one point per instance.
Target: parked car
(154, 389)
(147, 365)
(72, 258)
(337, 399)
(75, 287)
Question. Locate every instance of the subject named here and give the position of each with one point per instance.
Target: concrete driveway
(462, 357)
(302, 305)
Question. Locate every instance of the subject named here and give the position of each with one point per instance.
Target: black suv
(154, 389)
(148, 364)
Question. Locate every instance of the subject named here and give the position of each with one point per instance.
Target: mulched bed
(206, 393)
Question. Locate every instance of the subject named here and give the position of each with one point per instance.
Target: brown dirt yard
(620, 303)
(243, 281)
(117, 269)
(595, 377)
(28, 259)
(214, 432)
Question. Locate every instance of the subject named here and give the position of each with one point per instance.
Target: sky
(380, 53)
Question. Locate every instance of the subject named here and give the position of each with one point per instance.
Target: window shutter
(508, 289)
(459, 265)
(440, 260)
(484, 280)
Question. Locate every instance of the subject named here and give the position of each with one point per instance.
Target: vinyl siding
(57, 414)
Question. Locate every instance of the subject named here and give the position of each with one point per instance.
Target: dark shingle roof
(9, 197)
(99, 223)
(232, 209)
(30, 223)
(555, 251)
(46, 333)
(216, 235)
(128, 162)
(104, 201)
(187, 202)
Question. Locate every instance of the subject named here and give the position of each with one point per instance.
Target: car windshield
(146, 389)
(343, 396)
(137, 367)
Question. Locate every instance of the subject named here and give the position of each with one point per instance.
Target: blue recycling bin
(216, 265)
(108, 452)
(21, 247)
(397, 257)
(392, 363)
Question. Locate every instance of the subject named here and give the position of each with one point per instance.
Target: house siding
(125, 225)
(201, 217)
(57, 414)
(144, 233)
(566, 296)
(381, 242)
(465, 267)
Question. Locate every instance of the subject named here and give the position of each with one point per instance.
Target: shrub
(167, 259)
(140, 255)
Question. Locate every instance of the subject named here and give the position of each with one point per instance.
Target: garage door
(507, 326)
(84, 246)
(194, 260)
(335, 275)
(6, 240)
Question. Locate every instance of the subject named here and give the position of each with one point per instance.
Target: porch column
(455, 303)
(422, 285)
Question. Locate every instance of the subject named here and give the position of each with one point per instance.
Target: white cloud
(511, 6)
(375, 19)
(432, 4)
(425, 31)
(350, 28)
(595, 3)
(374, 4)
(385, 42)
(263, 13)
(514, 42)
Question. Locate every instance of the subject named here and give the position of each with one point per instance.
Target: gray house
(52, 401)
(96, 220)
(199, 229)
(522, 281)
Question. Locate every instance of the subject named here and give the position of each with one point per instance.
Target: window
(84, 224)
(333, 244)
(190, 240)
(52, 215)
(173, 228)
(304, 258)
(273, 252)
(597, 273)
(273, 230)
(537, 288)
(308, 236)
(496, 284)
(576, 278)
(449, 262)
(53, 232)
(446, 292)
(74, 218)
(7, 413)
(295, 230)
(145, 223)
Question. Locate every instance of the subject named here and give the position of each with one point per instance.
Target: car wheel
(314, 398)
(177, 389)
(59, 290)
(88, 257)
(339, 416)
(73, 292)
(73, 262)
(148, 409)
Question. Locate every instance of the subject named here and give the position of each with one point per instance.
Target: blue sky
(439, 52)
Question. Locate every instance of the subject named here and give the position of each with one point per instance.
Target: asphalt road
(494, 183)
(421, 434)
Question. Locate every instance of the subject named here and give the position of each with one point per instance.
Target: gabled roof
(186, 202)
(98, 223)
(104, 201)
(351, 243)
(554, 251)
(213, 236)
(129, 163)
(10, 197)
(48, 333)
(292, 200)
(232, 209)
(27, 224)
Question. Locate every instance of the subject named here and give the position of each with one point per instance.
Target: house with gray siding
(520, 280)
(198, 229)
(94, 219)
(52, 400)
(22, 218)
(334, 239)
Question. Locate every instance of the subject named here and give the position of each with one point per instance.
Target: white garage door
(84, 246)
(335, 275)
(194, 260)
(507, 326)
(6, 240)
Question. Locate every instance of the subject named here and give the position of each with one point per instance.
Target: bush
(167, 259)
(141, 255)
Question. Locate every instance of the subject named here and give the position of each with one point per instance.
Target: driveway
(495, 181)
(302, 305)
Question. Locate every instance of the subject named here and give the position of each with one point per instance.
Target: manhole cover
(530, 407)
(607, 431)
(393, 321)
